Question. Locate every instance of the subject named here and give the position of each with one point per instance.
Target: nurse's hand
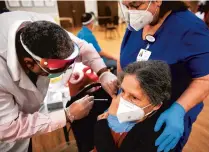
(109, 82)
(174, 129)
(80, 108)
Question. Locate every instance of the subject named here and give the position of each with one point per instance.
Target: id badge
(143, 55)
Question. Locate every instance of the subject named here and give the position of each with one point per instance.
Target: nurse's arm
(119, 69)
(197, 91)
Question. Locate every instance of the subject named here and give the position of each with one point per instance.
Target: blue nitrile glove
(174, 120)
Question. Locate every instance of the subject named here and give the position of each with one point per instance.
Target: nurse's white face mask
(136, 19)
(128, 111)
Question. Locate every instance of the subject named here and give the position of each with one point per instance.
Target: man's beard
(33, 77)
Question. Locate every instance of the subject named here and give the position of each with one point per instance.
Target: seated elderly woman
(128, 124)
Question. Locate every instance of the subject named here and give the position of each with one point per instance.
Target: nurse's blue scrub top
(182, 41)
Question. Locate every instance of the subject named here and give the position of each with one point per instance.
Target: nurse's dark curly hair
(45, 39)
(154, 78)
(174, 6)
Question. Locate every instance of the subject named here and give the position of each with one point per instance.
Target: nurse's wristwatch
(70, 118)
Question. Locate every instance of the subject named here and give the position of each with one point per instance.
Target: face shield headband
(53, 66)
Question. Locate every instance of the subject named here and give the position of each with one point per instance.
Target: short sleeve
(90, 38)
(94, 42)
(196, 53)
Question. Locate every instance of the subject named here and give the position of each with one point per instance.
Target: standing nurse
(166, 30)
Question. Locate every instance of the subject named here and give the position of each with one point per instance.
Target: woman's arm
(195, 56)
(197, 91)
(119, 69)
(109, 55)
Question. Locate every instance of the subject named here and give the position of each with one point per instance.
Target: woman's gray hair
(154, 78)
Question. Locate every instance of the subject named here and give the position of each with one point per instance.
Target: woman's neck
(151, 30)
(114, 106)
(89, 27)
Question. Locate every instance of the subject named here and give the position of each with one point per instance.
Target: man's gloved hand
(174, 120)
(109, 82)
(80, 108)
(76, 77)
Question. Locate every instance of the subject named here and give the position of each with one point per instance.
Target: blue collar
(118, 127)
(84, 28)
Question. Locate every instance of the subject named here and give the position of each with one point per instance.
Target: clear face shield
(54, 67)
(136, 19)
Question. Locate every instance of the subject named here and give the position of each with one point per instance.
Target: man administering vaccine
(29, 50)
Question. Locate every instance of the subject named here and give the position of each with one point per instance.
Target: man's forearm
(88, 55)
(197, 91)
(27, 125)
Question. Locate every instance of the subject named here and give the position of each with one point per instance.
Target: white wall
(91, 6)
(120, 14)
(52, 10)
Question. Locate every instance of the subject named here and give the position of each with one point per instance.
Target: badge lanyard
(144, 54)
